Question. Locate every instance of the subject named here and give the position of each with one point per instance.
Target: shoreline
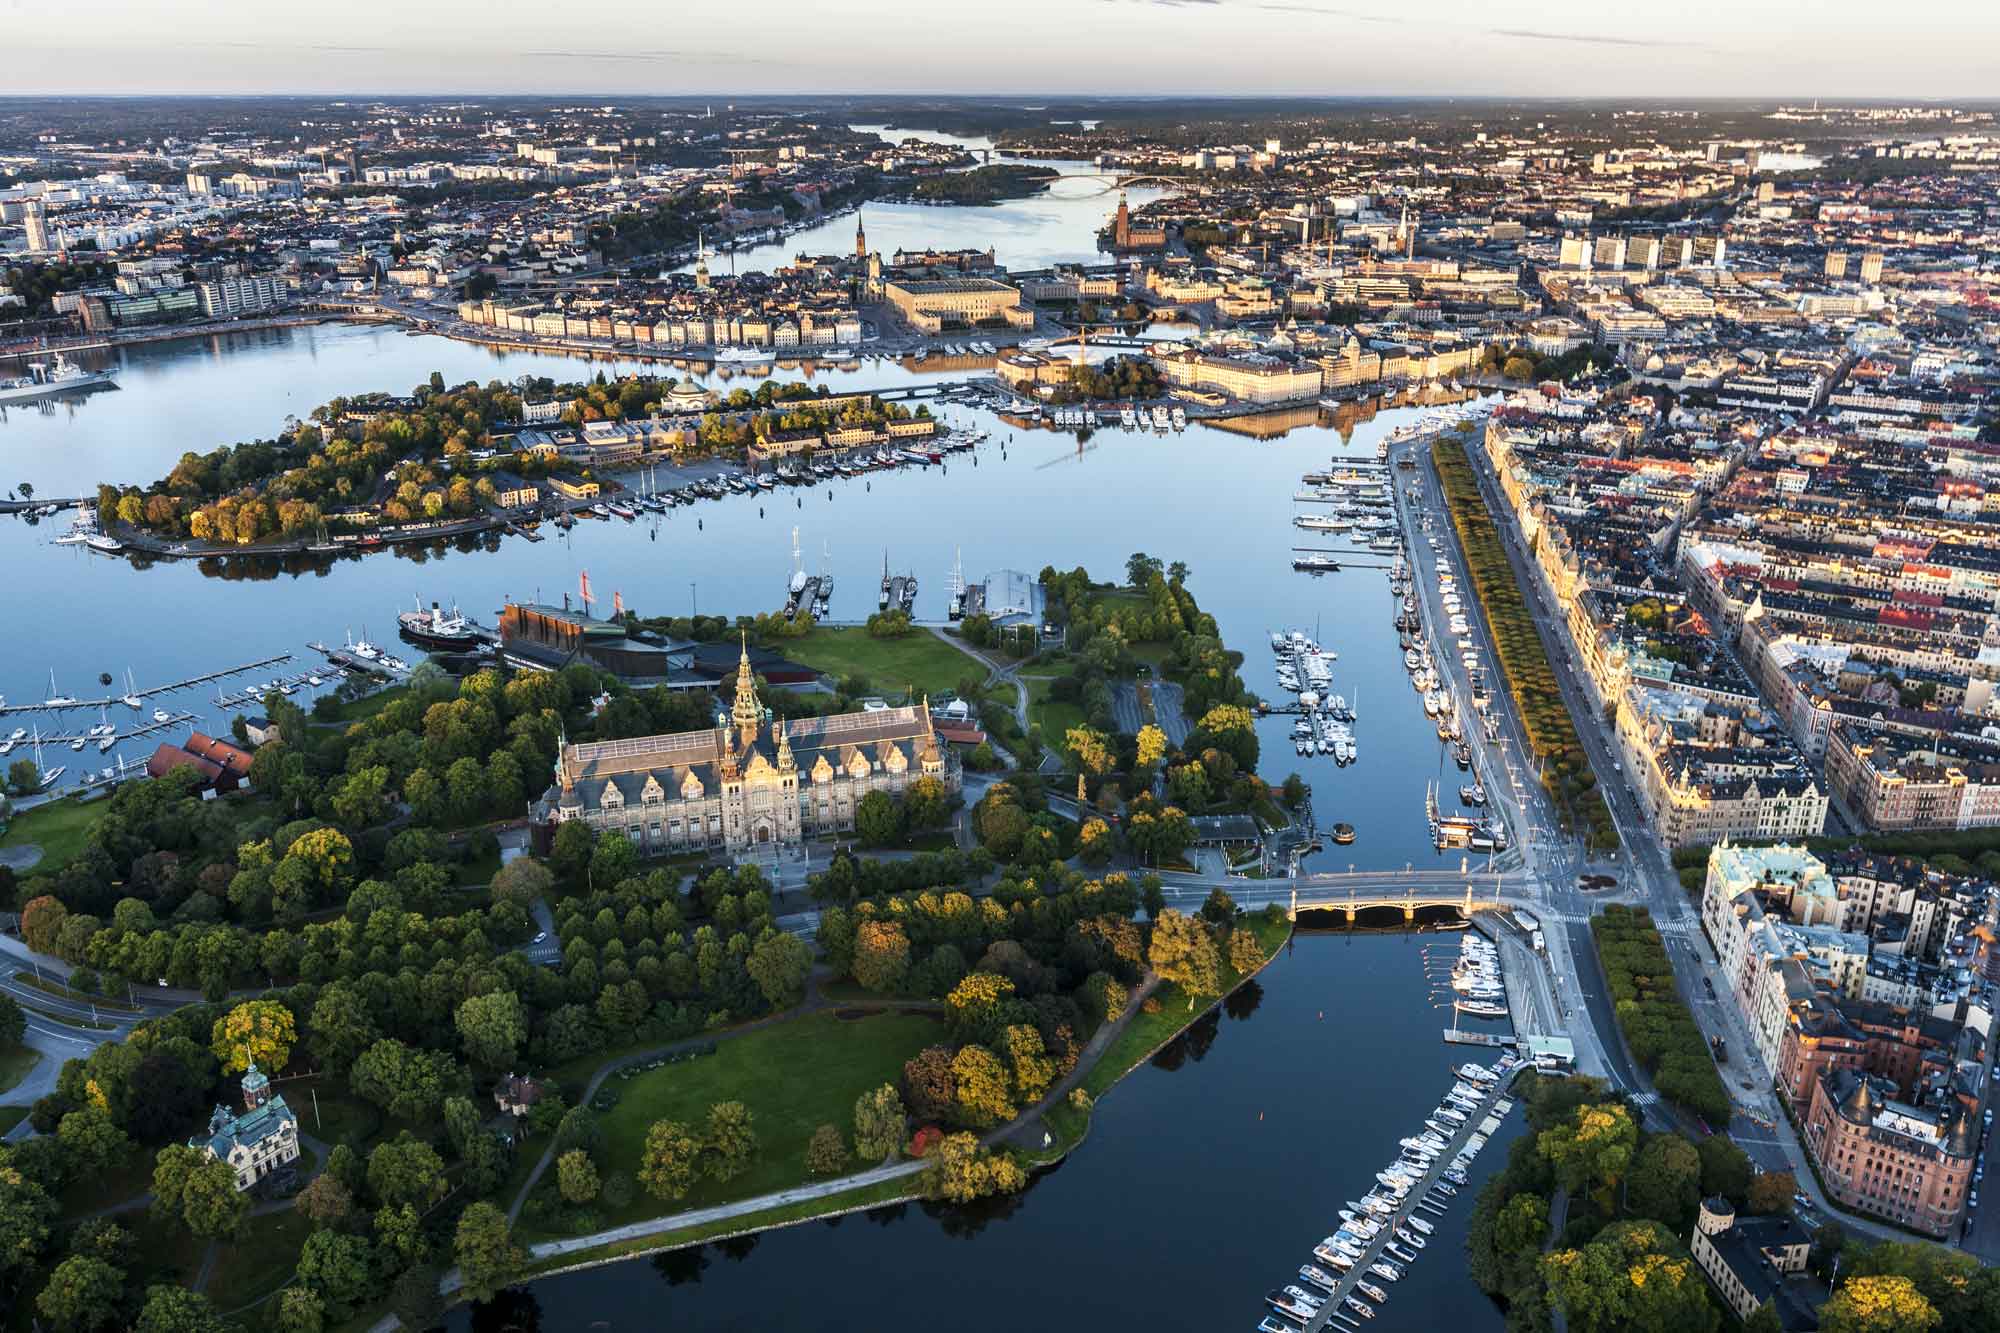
(678, 1239)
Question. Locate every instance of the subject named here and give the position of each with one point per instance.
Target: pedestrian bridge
(1408, 901)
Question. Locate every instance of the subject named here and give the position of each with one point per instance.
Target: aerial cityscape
(1376, 708)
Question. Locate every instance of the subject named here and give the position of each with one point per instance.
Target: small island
(984, 185)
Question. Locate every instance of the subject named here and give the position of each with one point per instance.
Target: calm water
(1217, 500)
(1201, 1187)
(1057, 226)
(1181, 1177)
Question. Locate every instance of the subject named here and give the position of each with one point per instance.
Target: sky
(1554, 48)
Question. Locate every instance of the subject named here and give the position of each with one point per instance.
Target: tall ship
(45, 378)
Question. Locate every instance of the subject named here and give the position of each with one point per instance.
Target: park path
(811, 1002)
(996, 673)
(1093, 1050)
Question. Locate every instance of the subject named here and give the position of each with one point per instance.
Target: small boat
(1273, 1324)
(1404, 1255)
(1327, 1254)
(1359, 1306)
(1410, 1238)
(162, 715)
(1419, 1223)
(1372, 1292)
(1319, 1277)
(1383, 1268)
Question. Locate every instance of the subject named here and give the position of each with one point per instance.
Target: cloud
(657, 57)
(1528, 34)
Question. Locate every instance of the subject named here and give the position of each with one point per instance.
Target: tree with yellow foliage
(1878, 1305)
(259, 1032)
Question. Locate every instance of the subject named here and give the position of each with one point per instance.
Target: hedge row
(1659, 1028)
(1524, 662)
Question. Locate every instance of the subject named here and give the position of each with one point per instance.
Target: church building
(741, 789)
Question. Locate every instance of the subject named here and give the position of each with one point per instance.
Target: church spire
(746, 714)
(785, 761)
(860, 237)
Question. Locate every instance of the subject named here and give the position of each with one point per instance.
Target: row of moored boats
(1383, 1233)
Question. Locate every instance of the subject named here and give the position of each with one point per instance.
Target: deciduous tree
(1878, 1305)
(82, 1295)
(729, 1140)
(878, 1124)
(826, 1153)
(670, 1161)
(485, 1249)
(576, 1176)
(259, 1032)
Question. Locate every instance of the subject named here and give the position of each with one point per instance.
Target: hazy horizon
(1113, 48)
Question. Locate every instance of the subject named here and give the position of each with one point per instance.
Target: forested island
(984, 185)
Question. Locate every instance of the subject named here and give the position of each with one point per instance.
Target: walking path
(812, 1001)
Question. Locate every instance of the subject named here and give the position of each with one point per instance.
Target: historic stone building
(1912, 1165)
(733, 788)
(262, 1138)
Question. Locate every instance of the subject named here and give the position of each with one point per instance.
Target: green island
(469, 1065)
(444, 448)
(983, 185)
(1524, 661)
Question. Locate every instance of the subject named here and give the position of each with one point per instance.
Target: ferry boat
(1314, 563)
(741, 356)
(97, 541)
(45, 378)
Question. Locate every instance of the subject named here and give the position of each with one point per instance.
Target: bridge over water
(1408, 900)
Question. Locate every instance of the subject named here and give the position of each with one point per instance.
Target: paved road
(1646, 873)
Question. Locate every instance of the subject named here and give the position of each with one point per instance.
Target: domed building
(741, 788)
(687, 396)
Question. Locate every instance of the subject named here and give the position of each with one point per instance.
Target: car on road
(541, 935)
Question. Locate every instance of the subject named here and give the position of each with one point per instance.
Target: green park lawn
(15, 1062)
(58, 828)
(793, 1076)
(919, 660)
(259, 1261)
(1054, 716)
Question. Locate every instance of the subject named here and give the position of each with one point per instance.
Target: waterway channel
(1209, 496)
(1203, 1184)
(1206, 1180)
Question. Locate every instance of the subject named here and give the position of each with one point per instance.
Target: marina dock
(1429, 1197)
(50, 738)
(190, 683)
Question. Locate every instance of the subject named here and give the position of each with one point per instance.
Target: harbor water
(1209, 1175)
(1207, 1179)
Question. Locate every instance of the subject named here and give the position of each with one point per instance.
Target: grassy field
(794, 1077)
(259, 1261)
(58, 828)
(15, 1062)
(11, 1116)
(919, 660)
(1054, 716)
(357, 710)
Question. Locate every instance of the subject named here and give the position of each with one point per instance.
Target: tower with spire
(701, 261)
(746, 716)
(860, 237)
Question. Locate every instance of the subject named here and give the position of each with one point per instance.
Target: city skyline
(1037, 47)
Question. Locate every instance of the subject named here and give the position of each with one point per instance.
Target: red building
(1909, 1164)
